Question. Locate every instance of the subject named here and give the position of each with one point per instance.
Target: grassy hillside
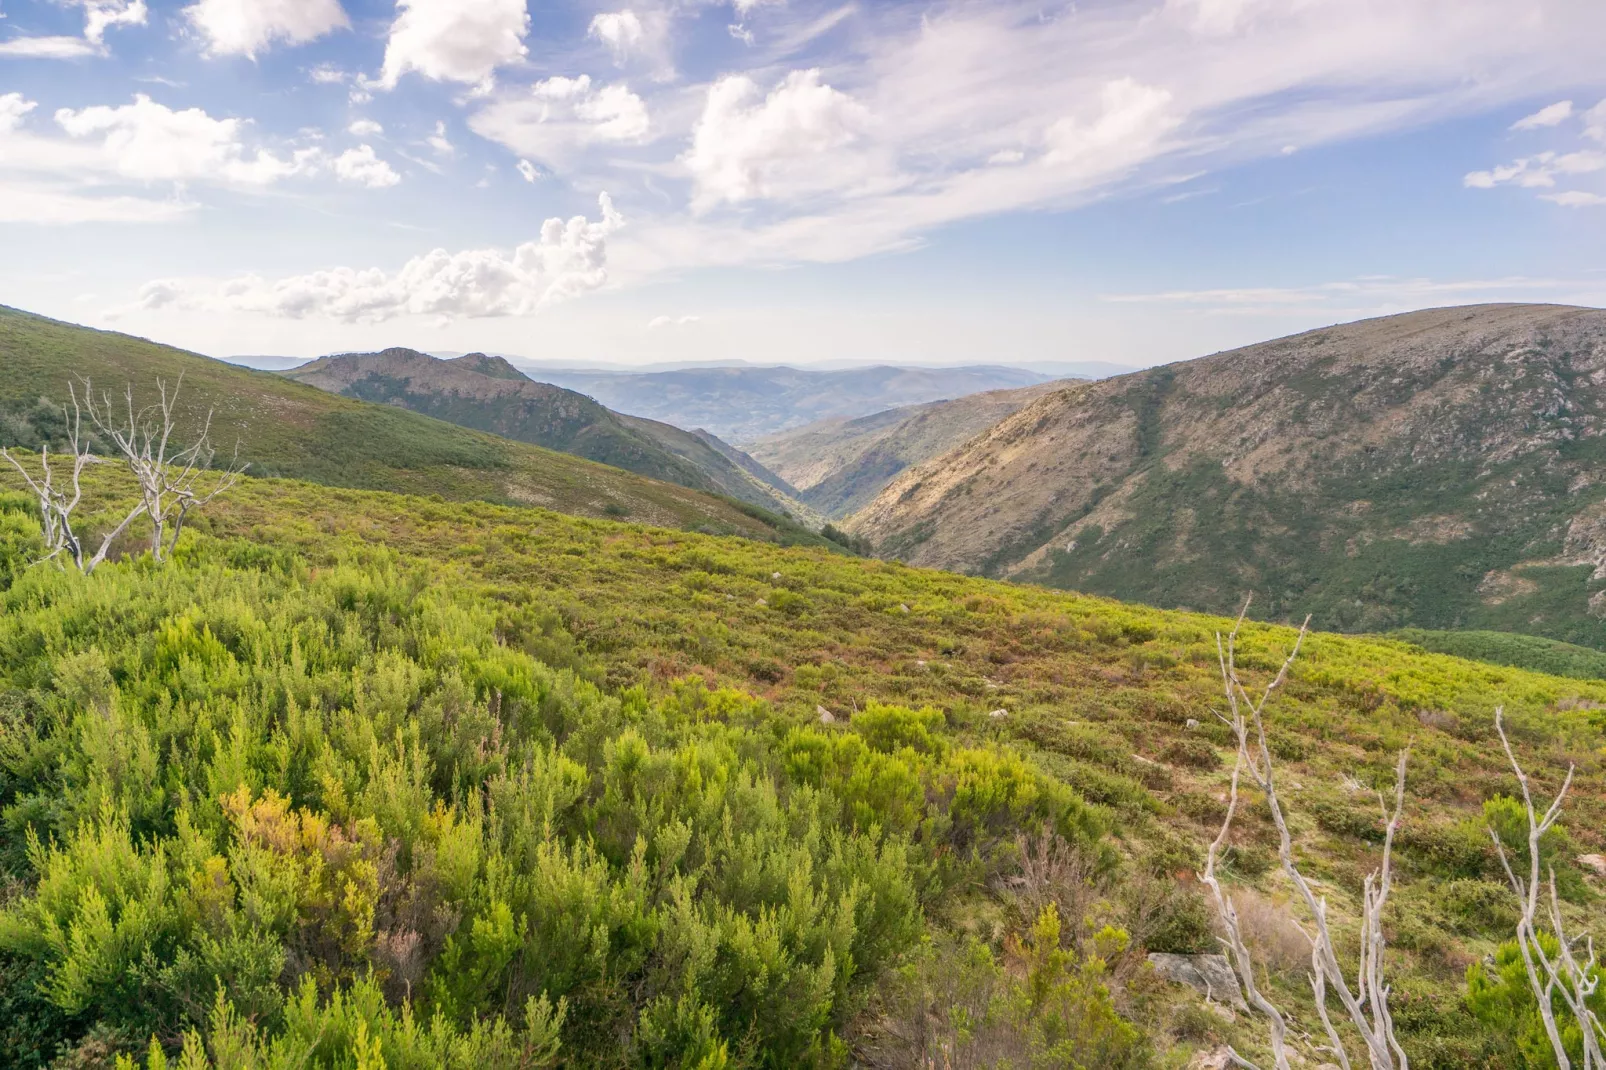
(290, 429)
(1439, 470)
(1518, 651)
(460, 784)
(488, 394)
(839, 466)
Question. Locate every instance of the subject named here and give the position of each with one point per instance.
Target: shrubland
(359, 779)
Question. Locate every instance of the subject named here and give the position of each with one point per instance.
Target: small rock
(1145, 761)
(826, 716)
(903, 608)
(998, 713)
(922, 664)
(1193, 722)
(1597, 863)
(1210, 975)
(1211, 1059)
(763, 601)
(775, 575)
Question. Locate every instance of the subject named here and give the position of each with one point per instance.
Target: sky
(1134, 181)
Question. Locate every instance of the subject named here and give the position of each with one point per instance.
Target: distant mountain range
(1440, 469)
(839, 466)
(742, 404)
(489, 394)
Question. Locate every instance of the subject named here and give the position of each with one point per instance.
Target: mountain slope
(1440, 469)
(463, 754)
(744, 403)
(839, 466)
(488, 394)
(289, 428)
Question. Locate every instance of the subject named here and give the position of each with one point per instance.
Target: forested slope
(363, 777)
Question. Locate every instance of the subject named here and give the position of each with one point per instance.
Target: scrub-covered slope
(363, 776)
(1440, 469)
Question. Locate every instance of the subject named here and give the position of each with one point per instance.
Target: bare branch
(1366, 1003)
(1564, 975)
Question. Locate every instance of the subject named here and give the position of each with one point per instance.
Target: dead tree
(1562, 975)
(57, 504)
(1366, 1002)
(169, 478)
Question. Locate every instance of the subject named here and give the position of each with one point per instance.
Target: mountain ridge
(293, 429)
(1434, 469)
(490, 394)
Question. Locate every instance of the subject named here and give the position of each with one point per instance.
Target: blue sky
(787, 180)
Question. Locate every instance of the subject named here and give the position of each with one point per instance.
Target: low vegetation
(362, 779)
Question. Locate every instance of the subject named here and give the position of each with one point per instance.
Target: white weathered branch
(1562, 976)
(167, 477)
(1366, 1003)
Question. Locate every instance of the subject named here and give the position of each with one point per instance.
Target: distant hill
(489, 394)
(742, 404)
(288, 428)
(1440, 469)
(839, 466)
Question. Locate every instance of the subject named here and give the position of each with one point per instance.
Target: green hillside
(489, 394)
(289, 429)
(369, 779)
(1508, 648)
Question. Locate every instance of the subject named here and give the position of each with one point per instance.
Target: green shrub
(1190, 753)
(1499, 995)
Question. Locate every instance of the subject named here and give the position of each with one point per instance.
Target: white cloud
(362, 166)
(1538, 171)
(439, 142)
(1224, 18)
(559, 116)
(788, 143)
(148, 142)
(455, 40)
(99, 16)
(49, 48)
(1553, 115)
(50, 205)
(1595, 123)
(324, 74)
(621, 31)
(660, 322)
(569, 258)
(1368, 295)
(528, 171)
(13, 108)
(29, 193)
(247, 27)
(73, 176)
(1132, 119)
(1575, 198)
(365, 128)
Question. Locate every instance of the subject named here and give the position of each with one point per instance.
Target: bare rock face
(1209, 975)
(1371, 473)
